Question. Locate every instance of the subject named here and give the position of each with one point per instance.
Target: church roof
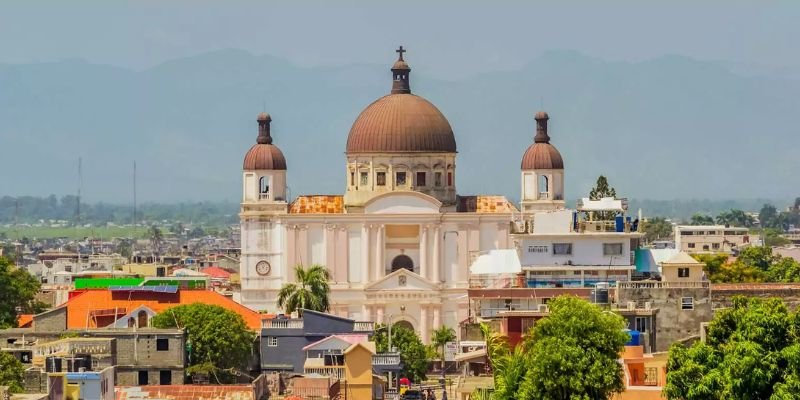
(401, 122)
(317, 204)
(484, 204)
(541, 154)
(264, 155)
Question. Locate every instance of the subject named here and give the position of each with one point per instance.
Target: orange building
(105, 307)
(644, 374)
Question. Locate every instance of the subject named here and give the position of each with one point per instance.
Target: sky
(458, 38)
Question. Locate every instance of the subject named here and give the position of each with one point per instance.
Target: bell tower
(542, 172)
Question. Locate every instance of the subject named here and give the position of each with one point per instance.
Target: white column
(437, 257)
(423, 323)
(379, 316)
(364, 254)
(423, 252)
(364, 312)
(380, 263)
(437, 318)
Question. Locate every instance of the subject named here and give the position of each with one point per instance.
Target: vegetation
(11, 372)
(736, 218)
(656, 229)
(18, 290)
(769, 217)
(309, 292)
(412, 351)
(701, 219)
(602, 189)
(570, 354)
(215, 336)
(754, 264)
(440, 338)
(752, 352)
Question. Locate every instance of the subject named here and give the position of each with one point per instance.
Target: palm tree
(310, 290)
(155, 239)
(440, 339)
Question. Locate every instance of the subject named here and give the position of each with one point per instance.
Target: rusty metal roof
(542, 156)
(186, 392)
(318, 204)
(484, 204)
(400, 123)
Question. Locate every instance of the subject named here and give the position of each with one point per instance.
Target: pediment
(402, 280)
(406, 202)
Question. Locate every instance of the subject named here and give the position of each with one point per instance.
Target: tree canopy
(701, 219)
(11, 372)
(412, 351)
(570, 354)
(656, 229)
(18, 289)
(602, 189)
(735, 218)
(217, 337)
(752, 352)
(310, 290)
(753, 264)
(440, 338)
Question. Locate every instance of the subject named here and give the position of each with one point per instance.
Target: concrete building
(695, 239)
(682, 297)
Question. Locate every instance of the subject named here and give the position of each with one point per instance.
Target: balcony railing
(663, 285)
(363, 326)
(332, 371)
(282, 324)
(386, 359)
(555, 281)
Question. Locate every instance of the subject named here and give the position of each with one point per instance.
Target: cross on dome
(400, 51)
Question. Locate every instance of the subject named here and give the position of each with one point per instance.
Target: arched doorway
(403, 261)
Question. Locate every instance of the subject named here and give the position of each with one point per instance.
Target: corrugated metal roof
(317, 204)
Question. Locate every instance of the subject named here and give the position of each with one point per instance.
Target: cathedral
(399, 242)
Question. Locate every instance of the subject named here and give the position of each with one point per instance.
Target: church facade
(399, 242)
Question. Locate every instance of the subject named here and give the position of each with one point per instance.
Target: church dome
(401, 122)
(264, 154)
(541, 154)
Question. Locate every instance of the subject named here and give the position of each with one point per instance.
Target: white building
(695, 239)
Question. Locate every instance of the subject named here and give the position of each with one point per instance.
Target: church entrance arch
(402, 261)
(403, 324)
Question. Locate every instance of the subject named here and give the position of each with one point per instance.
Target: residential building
(644, 374)
(710, 238)
(283, 339)
(82, 385)
(682, 297)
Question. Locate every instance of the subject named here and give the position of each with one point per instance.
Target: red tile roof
(216, 272)
(186, 392)
(25, 321)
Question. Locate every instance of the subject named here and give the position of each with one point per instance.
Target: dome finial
(400, 72)
(264, 136)
(541, 128)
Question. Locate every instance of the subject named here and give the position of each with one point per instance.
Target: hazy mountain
(671, 127)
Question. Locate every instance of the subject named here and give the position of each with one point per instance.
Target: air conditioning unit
(648, 306)
(631, 305)
(543, 308)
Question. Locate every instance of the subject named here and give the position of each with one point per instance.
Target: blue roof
(84, 376)
(157, 289)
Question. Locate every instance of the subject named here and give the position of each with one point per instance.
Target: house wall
(52, 321)
(672, 322)
(585, 251)
(358, 373)
(289, 351)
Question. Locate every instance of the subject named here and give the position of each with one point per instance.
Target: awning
(472, 356)
(505, 261)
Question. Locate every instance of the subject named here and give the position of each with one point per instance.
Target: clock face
(263, 268)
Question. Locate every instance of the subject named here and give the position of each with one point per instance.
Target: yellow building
(360, 382)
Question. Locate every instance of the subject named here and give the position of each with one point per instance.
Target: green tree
(11, 372)
(751, 353)
(217, 336)
(701, 219)
(759, 257)
(441, 337)
(713, 263)
(773, 238)
(738, 272)
(18, 290)
(570, 354)
(656, 229)
(412, 351)
(602, 189)
(309, 292)
(785, 269)
(735, 218)
(768, 216)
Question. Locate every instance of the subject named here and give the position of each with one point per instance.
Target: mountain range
(666, 128)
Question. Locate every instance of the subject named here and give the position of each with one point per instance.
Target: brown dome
(542, 156)
(264, 154)
(400, 123)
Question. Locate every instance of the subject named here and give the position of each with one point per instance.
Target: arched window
(544, 187)
(141, 319)
(263, 188)
(402, 261)
(131, 322)
(404, 324)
